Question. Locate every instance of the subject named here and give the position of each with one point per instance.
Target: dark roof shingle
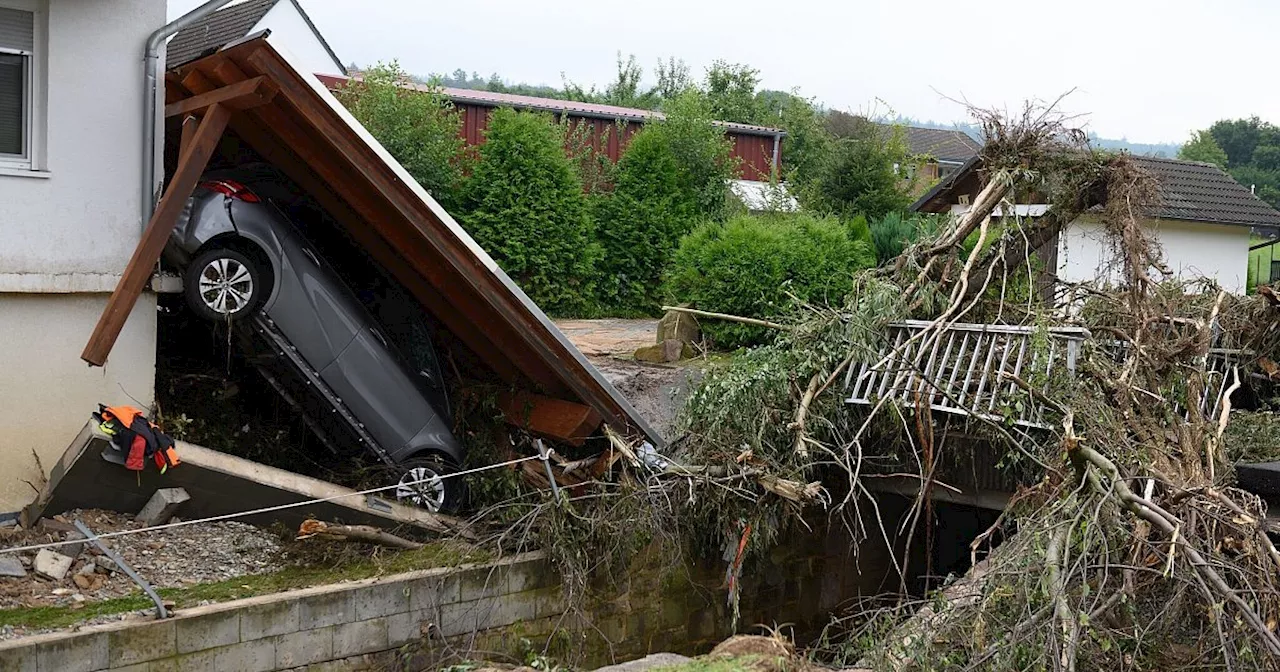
(1202, 192)
(942, 144)
(213, 31)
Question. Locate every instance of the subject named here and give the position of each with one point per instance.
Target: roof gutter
(151, 95)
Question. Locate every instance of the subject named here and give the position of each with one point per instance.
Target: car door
(312, 308)
(379, 391)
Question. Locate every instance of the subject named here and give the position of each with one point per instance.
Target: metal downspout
(777, 144)
(151, 99)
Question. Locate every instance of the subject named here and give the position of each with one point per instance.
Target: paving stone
(162, 505)
(11, 565)
(52, 564)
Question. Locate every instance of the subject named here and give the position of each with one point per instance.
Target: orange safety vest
(137, 436)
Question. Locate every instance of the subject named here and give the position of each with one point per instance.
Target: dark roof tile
(213, 31)
(951, 145)
(1202, 192)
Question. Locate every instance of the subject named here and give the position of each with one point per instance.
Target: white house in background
(71, 92)
(1203, 223)
(288, 24)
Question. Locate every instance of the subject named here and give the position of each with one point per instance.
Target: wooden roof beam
(191, 164)
(241, 95)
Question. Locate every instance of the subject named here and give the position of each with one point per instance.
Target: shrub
(639, 224)
(701, 150)
(891, 234)
(421, 129)
(858, 175)
(750, 266)
(525, 206)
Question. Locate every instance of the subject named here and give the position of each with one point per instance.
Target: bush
(421, 129)
(749, 266)
(525, 206)
(701, 151)
(639, 224)
(895, 231)
(857, 177)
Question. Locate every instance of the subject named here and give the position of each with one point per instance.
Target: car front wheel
(428, 483)
(224, 284)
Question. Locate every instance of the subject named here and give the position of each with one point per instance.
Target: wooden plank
(242, 95)
(190, 165)
(554, 419)
(189, 126)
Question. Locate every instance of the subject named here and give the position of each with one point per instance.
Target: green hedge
(524, 205)
(749, 266)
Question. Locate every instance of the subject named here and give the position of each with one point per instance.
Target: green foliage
(731, 92)
(419, 128)
(701, 151)
(891, 234)
(639, 224)
(1238, 138)
(752, 266)
(524, 205)
(808, 144)
(858, 229)
(858, 178)
(1202, 147)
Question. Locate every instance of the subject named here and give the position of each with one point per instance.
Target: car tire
(224, 285)
(437, 496)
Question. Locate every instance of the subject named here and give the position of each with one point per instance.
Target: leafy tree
(752, 266)
(1265, 183)
(731, 92)
(701, 151)
(808, 144)
(1202, 147)
(673, 79)
(1238, 138)
(858, 177)
(421, 129)
(639, 224)
(525, 206)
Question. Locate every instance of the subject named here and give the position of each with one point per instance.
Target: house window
(17, 52)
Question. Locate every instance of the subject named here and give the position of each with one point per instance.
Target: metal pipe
(152, 88)
(777, 143)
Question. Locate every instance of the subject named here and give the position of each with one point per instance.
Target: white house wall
(68, 234)
(1191, 249)
(289, 29)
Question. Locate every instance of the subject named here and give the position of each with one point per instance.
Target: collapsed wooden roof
(288, 117)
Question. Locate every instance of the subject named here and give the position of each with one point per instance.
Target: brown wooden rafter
(242, 95)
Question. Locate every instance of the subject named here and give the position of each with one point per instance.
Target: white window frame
(32, 158)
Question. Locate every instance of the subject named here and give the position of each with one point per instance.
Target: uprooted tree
(1125, 547)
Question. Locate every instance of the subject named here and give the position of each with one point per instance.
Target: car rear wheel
(421, 484)
(224, 284)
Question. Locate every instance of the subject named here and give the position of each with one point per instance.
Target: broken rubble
(162, 505)
(52, 564)
(75, 549)
(11, 566)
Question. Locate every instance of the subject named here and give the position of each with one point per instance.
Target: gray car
(246, 264)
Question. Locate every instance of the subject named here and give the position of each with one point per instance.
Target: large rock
(52, 564)
(679, 326)
(667, 351)
(652, 661)
(11, 565)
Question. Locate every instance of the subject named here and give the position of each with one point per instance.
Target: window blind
(17, 29)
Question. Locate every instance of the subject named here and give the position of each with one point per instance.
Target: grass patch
(436, 554)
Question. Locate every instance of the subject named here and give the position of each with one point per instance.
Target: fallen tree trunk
(366, 533)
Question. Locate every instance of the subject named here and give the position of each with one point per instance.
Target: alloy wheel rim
(423, 487)
(226, 286)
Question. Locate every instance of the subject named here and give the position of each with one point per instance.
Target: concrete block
(407, 628)
(11, 565)
(433, 592)
(187, 662)
(269, 619)
(19, 659)
(325, 608)
(162, 506)
(140, 667)
(77, 653)
(303, 648)
(381, 599)
(530, 574)
(52, 564)
(256, 656)
(141, 643)
(461, 618)
(478, 582)
(207, 631)
(76, 548)
(352, 639)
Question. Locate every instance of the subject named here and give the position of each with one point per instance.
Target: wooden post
(191, 163)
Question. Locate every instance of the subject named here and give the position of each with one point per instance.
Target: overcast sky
(1146, 70)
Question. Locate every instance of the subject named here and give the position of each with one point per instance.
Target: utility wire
(269, 509)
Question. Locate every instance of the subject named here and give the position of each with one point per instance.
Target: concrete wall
(1191, 249)
(426, 619)
(289, 28)
(69, 228)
